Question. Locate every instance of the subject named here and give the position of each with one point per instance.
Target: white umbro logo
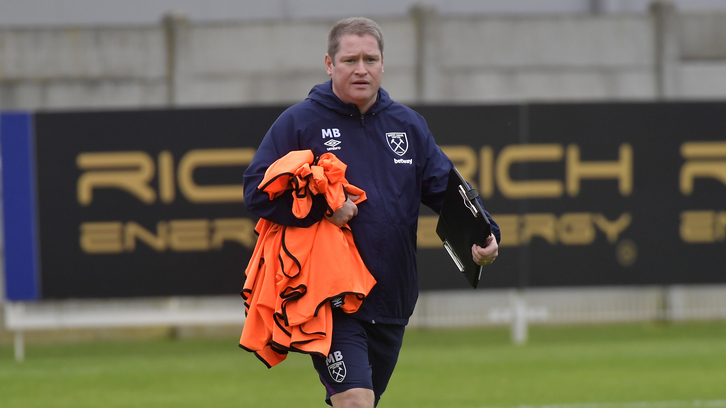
(333, 144)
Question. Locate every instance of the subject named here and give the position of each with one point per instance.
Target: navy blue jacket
(391, 154)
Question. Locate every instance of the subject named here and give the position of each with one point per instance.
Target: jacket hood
(324, 95)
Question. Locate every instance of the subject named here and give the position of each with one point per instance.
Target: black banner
(594, 194)
(145, 203)
(148, 203)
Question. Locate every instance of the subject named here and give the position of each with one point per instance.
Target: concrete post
(177, 31)
(667, 50)
(519, 317)
(19, 346)
(675, 303)
(426, 71)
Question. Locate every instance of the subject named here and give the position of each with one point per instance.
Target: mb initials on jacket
(403, 161)
(334, 132)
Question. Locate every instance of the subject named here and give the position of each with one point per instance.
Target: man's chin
(361, 96)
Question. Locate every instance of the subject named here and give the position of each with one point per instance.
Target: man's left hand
(487, 254)
(344, 214)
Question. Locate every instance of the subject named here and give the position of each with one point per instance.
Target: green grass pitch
(655, 365)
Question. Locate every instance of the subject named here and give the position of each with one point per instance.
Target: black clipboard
(462, 223)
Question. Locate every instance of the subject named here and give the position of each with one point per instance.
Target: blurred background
(104, 54)
(60, 58)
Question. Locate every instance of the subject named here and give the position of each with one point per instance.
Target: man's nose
(360, 68)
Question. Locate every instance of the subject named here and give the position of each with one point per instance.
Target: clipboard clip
(467, 200)
(453, 256)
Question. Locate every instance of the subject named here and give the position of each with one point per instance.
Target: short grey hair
(359, 26)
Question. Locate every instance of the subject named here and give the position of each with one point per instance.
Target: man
(392, 156)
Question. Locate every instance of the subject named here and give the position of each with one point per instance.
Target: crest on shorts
(337, 371)
(398, 142)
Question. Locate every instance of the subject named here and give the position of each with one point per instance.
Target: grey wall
(19, 13)
(430, 57)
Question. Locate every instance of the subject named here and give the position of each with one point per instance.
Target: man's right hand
(342, 215)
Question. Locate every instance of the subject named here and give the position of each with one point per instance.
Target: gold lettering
(612, 229)
(177, 235)
(697, 226)
(509, 225)
(101, 237)
(464, 158)
(189, 235)
(703, 227)
(714, 168)
(621, 170)
(486, 172)
(427, 237)
(135, 180)
(212, 158)
(703, 150)
(241, 230)
(167, 191)
(576, 229)
(134, 231)
(539, 225)
(531, 188)
(567, 229)
(719, 233)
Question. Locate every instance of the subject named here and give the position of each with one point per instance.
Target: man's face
(356, 70)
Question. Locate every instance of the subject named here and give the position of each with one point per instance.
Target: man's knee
(353, 398)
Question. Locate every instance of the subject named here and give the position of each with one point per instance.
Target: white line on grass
(638, 404)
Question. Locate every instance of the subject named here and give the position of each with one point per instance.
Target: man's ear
(329, 65)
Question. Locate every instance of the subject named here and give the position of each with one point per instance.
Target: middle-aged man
(392, 156)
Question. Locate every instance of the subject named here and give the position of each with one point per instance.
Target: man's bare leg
(353, 398)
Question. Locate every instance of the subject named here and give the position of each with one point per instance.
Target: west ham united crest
(398, 142)
(337, 371)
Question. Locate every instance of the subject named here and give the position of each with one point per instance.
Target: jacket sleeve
(495, 227)
(281, 139)
(435, 179)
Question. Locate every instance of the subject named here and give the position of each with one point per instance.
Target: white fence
(114, 313)
(445, 309)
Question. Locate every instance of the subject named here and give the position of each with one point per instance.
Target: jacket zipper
(363, 118)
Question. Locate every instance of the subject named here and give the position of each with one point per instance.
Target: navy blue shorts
(362, 355)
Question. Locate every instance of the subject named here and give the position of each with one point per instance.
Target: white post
(519, 320)
(675, 300)
(19, 347)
